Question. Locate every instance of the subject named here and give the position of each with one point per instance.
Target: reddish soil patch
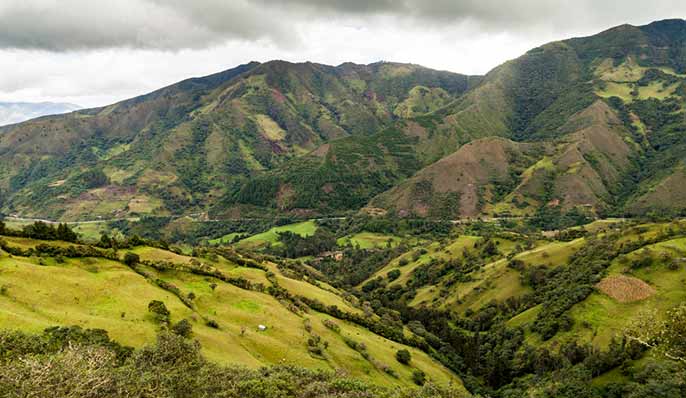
(374, 211)
(322, 150)
(285, 196)
(276, 94)
(625, 289)
(414, 129)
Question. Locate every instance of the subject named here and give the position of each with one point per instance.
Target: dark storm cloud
(500, 14)
(62, 25)
(147, 24)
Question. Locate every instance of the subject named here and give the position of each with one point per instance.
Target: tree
(403, 356)
(159, 311)
(105, 241)
(131, 259)
(666, 336)
(39, 230)
(393, 274)
(65, 233)
(183, 328)
(418, 377)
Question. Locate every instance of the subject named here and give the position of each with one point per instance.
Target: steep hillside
(606, 112)
(181, 148)
(506, 308)
(224, 296)
(508, 299)
(454, 186)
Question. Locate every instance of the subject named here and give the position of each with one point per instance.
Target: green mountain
(590, 124)
(185, 147)
(606, 113)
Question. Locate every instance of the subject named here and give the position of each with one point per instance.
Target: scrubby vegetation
(496, 303)
(69, 362)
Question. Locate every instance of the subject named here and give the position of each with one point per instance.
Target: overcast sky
(95, 52)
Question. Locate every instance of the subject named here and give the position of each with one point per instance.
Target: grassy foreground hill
(498, 305)
(224, 296)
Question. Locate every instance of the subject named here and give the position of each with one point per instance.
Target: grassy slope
(599, 317)
(368, 240)
(99, 293)
(191, 139)
(305, 228)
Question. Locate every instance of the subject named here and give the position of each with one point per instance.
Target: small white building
(261, 328)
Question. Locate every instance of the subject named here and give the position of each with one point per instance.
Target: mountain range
(592, 125)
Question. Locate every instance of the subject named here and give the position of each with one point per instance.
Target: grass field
(600, 317)
(226, 239)
(96, 293)
(415, 258)
(305, 228)
(368, 240)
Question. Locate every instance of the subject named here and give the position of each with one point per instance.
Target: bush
(331, 325)
(131, 259)
(393, 274)
(403, 356)
(183, 328)
(418, 377)
(159, 311)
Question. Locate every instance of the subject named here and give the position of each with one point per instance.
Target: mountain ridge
(307, 138)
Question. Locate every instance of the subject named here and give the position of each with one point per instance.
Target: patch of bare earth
(322, 150)
(284, 197)
(625, 289)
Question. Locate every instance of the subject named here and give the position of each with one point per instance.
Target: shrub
(331, 325)
(183, 328)
(131, 259)
(159, 311)
(212, 323)
(350, 342)
(418, 377)
(393, 274)
(403, 356)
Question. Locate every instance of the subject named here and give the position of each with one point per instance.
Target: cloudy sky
(94, 52)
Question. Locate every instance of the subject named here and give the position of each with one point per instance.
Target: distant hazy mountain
(16, 112)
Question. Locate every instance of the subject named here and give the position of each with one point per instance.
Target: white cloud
(93, 52)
